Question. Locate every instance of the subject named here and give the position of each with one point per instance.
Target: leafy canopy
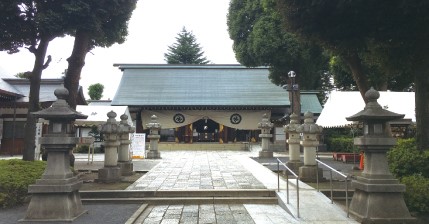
(95, 91)
(186, 50)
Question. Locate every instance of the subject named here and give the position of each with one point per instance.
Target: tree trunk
(361, 79)
(33, 104)
(421, 82)
(76, 62)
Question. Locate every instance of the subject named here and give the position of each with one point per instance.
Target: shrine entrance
(205, 130)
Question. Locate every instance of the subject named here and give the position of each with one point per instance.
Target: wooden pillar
(220, 134)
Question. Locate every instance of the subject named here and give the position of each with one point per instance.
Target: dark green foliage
(405, 160)
(259, 40)
(340, 144)
(417, 193)
(411, 166)
(15, 176)
(95, 91)
(81, 149)
(186, 50)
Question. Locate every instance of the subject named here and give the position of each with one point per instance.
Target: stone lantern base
(309, 174)
(265, 154)
(109, 174)
(152, 154)
(54, 200)
(379, 201)
(127, 168)
(294, 165)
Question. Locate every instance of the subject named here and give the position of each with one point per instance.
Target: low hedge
(411, 167)
(340, 144)
(15, 176)
(417, 193)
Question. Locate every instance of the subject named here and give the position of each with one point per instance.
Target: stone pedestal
(110, 172)
(56, 196)
(310, 130)
(294, 143)
(154, 137)
(378, 196)
(265, 135)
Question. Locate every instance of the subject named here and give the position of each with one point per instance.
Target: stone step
(202, 146)
(178, 193)
(185, 200)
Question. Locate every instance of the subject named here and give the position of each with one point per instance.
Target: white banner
(244, 120)
(138, 145)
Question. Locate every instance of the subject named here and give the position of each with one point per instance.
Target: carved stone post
(56, 196)
(309, 141)
(154, 136)
(265, 127)
(110, 172)
(124, 158)
(294, 138)
(378, 196)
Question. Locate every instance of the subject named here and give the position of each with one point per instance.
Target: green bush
(417, 193)
(15, 176)
(340, 144)
(81, 149)
(405, 160)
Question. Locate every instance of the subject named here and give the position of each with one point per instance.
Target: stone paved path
(198, 170)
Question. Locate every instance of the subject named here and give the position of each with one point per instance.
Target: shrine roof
(203, 85)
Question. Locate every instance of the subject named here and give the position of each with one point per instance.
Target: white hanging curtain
(244, 119)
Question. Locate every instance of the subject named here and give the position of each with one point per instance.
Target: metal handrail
(287, 183)
(346, 178)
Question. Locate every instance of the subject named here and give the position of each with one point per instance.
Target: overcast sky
(152, 28)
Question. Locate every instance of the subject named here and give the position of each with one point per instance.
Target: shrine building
(206, 103)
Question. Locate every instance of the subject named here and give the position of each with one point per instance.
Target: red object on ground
(361, 163)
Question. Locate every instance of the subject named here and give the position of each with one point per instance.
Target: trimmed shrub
(405, 160)
(15, 176)
(417, 193)
(340, 144)
(81, 149)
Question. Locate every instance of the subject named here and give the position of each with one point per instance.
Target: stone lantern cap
(373, 110)
(265, 122)
(60, 109)
(124, 126)
(309, 127)
(153, 124)
(293, 125)
(111, 126)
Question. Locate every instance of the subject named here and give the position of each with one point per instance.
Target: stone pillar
(55, 197)
(265, 135)
(309, 141)
(294, 139)
(154, 136)
(378, 196)
(124, 158)
(110, 172)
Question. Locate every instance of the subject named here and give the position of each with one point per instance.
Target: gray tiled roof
(199, 85)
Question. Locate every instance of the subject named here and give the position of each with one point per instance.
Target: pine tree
(186, 50)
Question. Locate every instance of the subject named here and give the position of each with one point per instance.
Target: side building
(206, 103)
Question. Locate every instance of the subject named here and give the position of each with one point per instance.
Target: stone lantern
(378, 196)
(294, 139)
(309, 141)
(110, 172)
(124, 158)
(265, 127)
(154, 136)
(56, 196)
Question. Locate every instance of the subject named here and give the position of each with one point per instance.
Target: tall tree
(94, 23)
(259, 40)
(31, 24)
(95, 91)
(186, 50)
(393, 33)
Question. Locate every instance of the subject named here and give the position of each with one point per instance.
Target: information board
(138, 145)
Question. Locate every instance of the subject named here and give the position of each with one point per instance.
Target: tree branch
(47, 62)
